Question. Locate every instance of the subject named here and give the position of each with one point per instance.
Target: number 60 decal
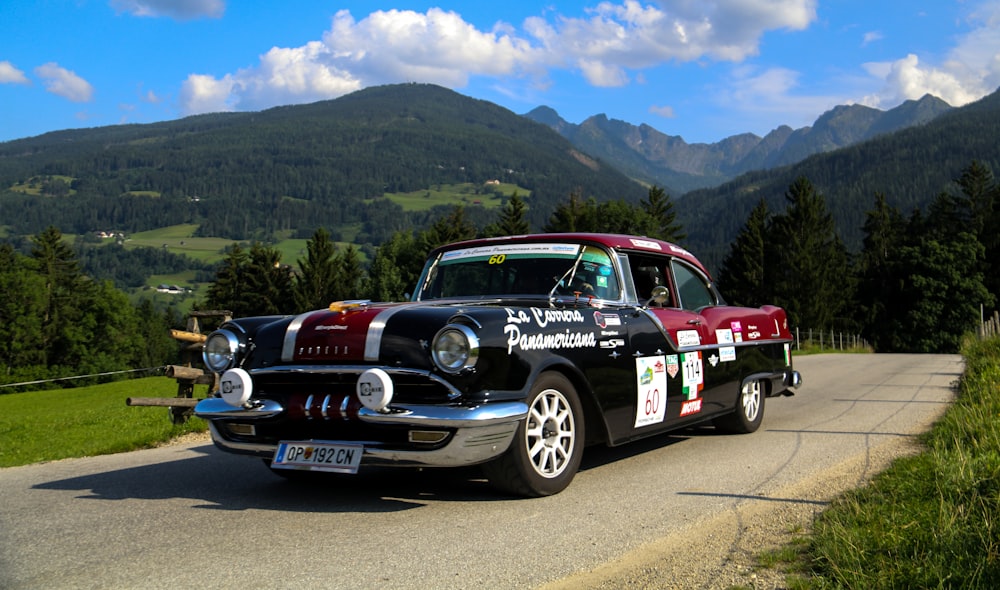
(651, 390)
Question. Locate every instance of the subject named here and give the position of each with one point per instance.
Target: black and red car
(513, 353)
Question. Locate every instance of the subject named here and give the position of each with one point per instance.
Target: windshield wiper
(571, 273)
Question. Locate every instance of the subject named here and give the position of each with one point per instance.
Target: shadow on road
(227, 482)
(221, 481)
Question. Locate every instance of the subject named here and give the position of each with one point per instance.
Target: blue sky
(700, 69)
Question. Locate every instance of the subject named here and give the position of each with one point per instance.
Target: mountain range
(288, 170)
(653, 157)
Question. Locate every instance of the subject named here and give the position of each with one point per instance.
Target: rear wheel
(548, 445)
(749, 410)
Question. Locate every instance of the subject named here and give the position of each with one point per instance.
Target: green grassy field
(84, 421)
(930, 520)
(180, 239)
(455, 195)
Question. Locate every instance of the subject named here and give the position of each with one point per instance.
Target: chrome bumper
(480, 432)
(793, 379)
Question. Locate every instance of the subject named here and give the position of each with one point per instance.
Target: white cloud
(601, 74)
(871, 37)
(385, 47)
(175, 9)
(205, 94)
(11, 75)
(663, 111)
(636, 36)
(969, 71)
(150, 97)
(440, 47)
(64, 83)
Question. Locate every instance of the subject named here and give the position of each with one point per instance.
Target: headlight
(455, 348)
(220, 350)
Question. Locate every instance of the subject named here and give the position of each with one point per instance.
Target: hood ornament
(350, 305)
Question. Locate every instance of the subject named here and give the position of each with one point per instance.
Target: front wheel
(548, 446)
(749, 410)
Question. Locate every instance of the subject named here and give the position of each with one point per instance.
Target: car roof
(610, 241)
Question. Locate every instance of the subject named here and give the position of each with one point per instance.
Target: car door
(676, 347)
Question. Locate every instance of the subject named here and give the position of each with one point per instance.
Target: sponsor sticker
(727, 354)
(690, 407)
(724, 336)
(673, 367)
(486, 252)
(687, 338)
(604, 320)
(651, 390)
(649, 244)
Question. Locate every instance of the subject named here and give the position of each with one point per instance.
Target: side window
(648, 272)
(694, 292)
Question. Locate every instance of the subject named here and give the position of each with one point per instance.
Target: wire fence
(150, 370)
(829, 340)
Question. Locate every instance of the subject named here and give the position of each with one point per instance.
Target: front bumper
(480, 433)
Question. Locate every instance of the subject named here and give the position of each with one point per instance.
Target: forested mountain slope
(911, 167)
(249, 175)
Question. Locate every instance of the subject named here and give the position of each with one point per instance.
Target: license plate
(318, 456)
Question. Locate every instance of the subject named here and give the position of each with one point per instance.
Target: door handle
(694, 322)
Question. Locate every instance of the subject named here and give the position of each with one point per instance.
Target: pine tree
(351, 276)
(396, 267)
(879, 295)
(317, 283)
(661, 217)
(742, 275)
(66, 290)
(230, 287)
(513, 220)
(572, 216)
(21, 312)
(807, 263)
(451, 228)
(981, 196)
(269, 283)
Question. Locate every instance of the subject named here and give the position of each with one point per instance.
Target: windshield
(546, 269)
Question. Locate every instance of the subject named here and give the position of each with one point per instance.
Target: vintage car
(513, 353)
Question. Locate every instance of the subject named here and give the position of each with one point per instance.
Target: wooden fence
(989, 327)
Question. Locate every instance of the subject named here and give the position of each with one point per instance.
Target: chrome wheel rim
(751, 400)
(550, 433)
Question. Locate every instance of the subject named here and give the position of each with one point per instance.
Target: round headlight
(219, 351)
(455, 348)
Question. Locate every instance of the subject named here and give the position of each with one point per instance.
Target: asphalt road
(190, 516)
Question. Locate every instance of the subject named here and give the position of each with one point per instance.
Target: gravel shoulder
(722, 552)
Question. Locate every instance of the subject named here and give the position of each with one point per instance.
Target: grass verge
(931, 520)
(84, 421)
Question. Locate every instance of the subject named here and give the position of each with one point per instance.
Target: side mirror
(660, 295)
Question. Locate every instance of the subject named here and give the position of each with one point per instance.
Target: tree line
(254, 281)
(916, 285)
(57, 322)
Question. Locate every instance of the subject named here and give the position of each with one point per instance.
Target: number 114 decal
(693, 374)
